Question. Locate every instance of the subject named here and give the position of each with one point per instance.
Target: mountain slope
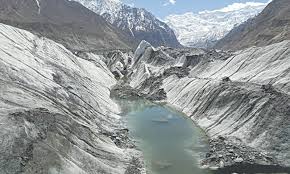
(270, 26)
(68, 23)
(203, 29)
(137, 22)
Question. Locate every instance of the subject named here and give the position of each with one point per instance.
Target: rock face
(244, 95)
(270, 26)
(204, 29)
(137, 22)
(56, 113)
(68, 23)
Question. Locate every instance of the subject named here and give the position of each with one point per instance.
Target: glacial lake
(170, 142)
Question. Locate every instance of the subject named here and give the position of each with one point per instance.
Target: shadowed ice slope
(245, 95)
(55, 112)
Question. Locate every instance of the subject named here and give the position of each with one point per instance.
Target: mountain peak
(203, 29)
(137, 22)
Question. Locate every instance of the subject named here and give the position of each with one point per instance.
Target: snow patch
(38, 5)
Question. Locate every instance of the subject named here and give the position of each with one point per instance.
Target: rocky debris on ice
(141, 49)
(135, 167)
(124, 91)
(242, 94)
(228, 152)
(121, 138)
(55, 107)
(118, 62)
(151, 87)
(150, 61)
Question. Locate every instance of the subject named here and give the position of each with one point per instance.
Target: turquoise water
(169, 140)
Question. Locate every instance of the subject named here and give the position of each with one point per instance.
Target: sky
(163, 8)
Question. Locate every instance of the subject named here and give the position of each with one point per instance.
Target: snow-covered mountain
(270, 26)
(203, 29)
(138, 22)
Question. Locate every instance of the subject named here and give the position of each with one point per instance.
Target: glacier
(56, 112)
(204, 28)
(240, 96)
